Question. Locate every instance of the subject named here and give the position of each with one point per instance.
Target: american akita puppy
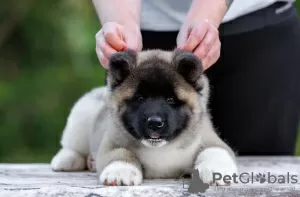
(150, 121)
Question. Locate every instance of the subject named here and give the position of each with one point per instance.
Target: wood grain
(38, 180)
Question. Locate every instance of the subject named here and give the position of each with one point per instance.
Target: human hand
(114, 37)
(202, 38)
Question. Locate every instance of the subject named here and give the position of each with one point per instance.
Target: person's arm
(199, 32)
(211, 10)
(122, 12)
(120, 21)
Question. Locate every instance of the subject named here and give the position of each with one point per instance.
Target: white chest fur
(169, 161)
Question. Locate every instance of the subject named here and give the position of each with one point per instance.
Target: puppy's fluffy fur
(150, 121)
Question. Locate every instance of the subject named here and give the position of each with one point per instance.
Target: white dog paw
(121, 173)
(215, 163)
(68, 160)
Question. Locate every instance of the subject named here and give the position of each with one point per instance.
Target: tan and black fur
(118, 147)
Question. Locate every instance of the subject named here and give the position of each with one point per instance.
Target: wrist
(130, 24)
(121, 12)
(129, 19)
(212, 11)
(125, 21)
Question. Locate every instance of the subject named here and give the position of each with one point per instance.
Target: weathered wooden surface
(37, 180)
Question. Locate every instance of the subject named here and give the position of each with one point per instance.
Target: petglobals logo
(249, 178)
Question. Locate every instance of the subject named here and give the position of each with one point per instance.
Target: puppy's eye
(141, 98)
(171, 100)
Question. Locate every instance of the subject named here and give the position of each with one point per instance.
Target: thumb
(114, 37)
(182, 37)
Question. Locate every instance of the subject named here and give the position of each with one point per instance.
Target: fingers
(113, 38)
(202, 40)
(196, 35)
(183, 36)
(209, 48)
(133, 42)
(105, 47)
(206, 44)
(212, 56)
(102, 59)
(109, 40)
(133, 38)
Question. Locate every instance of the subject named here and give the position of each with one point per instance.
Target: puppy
(150, 121)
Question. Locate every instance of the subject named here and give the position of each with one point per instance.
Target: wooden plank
(33, 180)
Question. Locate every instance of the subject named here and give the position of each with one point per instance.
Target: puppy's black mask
(154, 111)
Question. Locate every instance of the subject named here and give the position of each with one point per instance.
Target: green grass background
(47, 60)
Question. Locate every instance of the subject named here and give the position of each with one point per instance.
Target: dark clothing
(271, 15)
(255, 85)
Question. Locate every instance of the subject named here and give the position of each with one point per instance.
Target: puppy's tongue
(154, 135)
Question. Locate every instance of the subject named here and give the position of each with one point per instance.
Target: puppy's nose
(155, 122)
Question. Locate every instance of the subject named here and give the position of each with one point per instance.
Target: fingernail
(125, 47)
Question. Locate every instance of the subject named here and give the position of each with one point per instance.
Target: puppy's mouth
(154, 140)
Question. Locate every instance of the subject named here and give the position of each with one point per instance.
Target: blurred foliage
(47, 60)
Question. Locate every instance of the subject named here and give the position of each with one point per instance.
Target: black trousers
(255, 87)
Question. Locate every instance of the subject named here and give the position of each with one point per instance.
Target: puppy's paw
(121, 173)
(218, 161)
(68, 160)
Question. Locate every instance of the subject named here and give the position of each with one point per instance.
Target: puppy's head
(157, 95)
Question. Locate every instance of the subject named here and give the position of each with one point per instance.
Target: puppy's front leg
(119, 167)
(213, 163)
(215, 157)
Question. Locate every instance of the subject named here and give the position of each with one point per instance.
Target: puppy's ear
(120, 66)
(189, 66)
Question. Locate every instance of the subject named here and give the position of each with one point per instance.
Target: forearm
(212, 10)
(122, 12)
